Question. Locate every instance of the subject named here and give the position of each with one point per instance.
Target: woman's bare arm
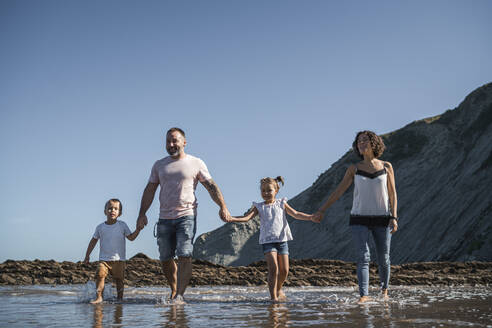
(393, 199)
(347, 180)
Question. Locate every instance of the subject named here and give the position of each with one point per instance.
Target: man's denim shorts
(281, 248)
(175, 237)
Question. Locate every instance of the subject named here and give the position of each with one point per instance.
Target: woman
(373, 210)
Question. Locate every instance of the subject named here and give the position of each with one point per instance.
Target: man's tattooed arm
(217, 197)
(214, 192)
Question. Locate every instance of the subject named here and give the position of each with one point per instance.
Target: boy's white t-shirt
(112, 241)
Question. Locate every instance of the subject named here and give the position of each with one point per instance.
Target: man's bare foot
(97, 300)
(178, 300)
(384, 294)
(281, 296)
(364, 299)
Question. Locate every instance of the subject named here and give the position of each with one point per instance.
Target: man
(178, 175)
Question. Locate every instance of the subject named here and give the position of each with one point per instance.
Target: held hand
(317, 217)
(142, 222)
(393, 225)
(231, 218)
(224, 214)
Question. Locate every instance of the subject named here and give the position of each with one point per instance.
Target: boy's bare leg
(283, 271)
(185, 268)
(171, 271)
(119, 288)
(100, 276)
(271, 259)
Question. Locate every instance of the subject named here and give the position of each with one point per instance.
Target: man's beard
(173, 152)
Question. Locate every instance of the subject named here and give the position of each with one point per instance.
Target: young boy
(112, 248)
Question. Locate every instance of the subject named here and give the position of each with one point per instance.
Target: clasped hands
(224, 214)
(317, 217)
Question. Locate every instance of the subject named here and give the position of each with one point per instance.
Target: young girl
(274, 232)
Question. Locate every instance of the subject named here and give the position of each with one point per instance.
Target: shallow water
(227, 306)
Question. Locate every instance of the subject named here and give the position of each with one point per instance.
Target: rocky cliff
(443, 169)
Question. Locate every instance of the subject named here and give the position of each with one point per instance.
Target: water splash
(226, 306)
(88, 293)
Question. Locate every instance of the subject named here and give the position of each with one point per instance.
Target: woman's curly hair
(377, 143)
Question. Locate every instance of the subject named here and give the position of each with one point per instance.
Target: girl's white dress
(274, 227)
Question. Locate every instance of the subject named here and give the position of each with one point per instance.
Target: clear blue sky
(262, 88)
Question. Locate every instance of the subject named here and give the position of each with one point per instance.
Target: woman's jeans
(382, 240)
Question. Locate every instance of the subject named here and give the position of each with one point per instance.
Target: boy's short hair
(114, 200)
(176, 130)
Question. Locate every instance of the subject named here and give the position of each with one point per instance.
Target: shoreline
(143, 271)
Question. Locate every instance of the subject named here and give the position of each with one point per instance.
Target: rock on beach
(143, 271)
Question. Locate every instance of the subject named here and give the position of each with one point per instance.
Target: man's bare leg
(185, 268)
(384, 293)
(171, 272)
(364, 299)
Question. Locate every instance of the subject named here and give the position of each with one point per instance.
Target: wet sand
(143, 271)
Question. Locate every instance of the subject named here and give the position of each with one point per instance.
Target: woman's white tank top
(370, 194)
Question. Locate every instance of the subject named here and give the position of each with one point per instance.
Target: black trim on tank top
(370, 175)
(370, 220)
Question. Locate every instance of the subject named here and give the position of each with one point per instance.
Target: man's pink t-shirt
(178, 179)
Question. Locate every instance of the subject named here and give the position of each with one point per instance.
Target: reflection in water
(367, 315)
(118, 314)
(227, 307)
(373, 314)
(386, 311)
(99, 315)
(278, 315)
(175, 316)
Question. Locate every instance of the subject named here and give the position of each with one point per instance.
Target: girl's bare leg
(271, 259)
(283, 271)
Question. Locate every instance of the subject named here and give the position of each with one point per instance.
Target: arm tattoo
(214, 191)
